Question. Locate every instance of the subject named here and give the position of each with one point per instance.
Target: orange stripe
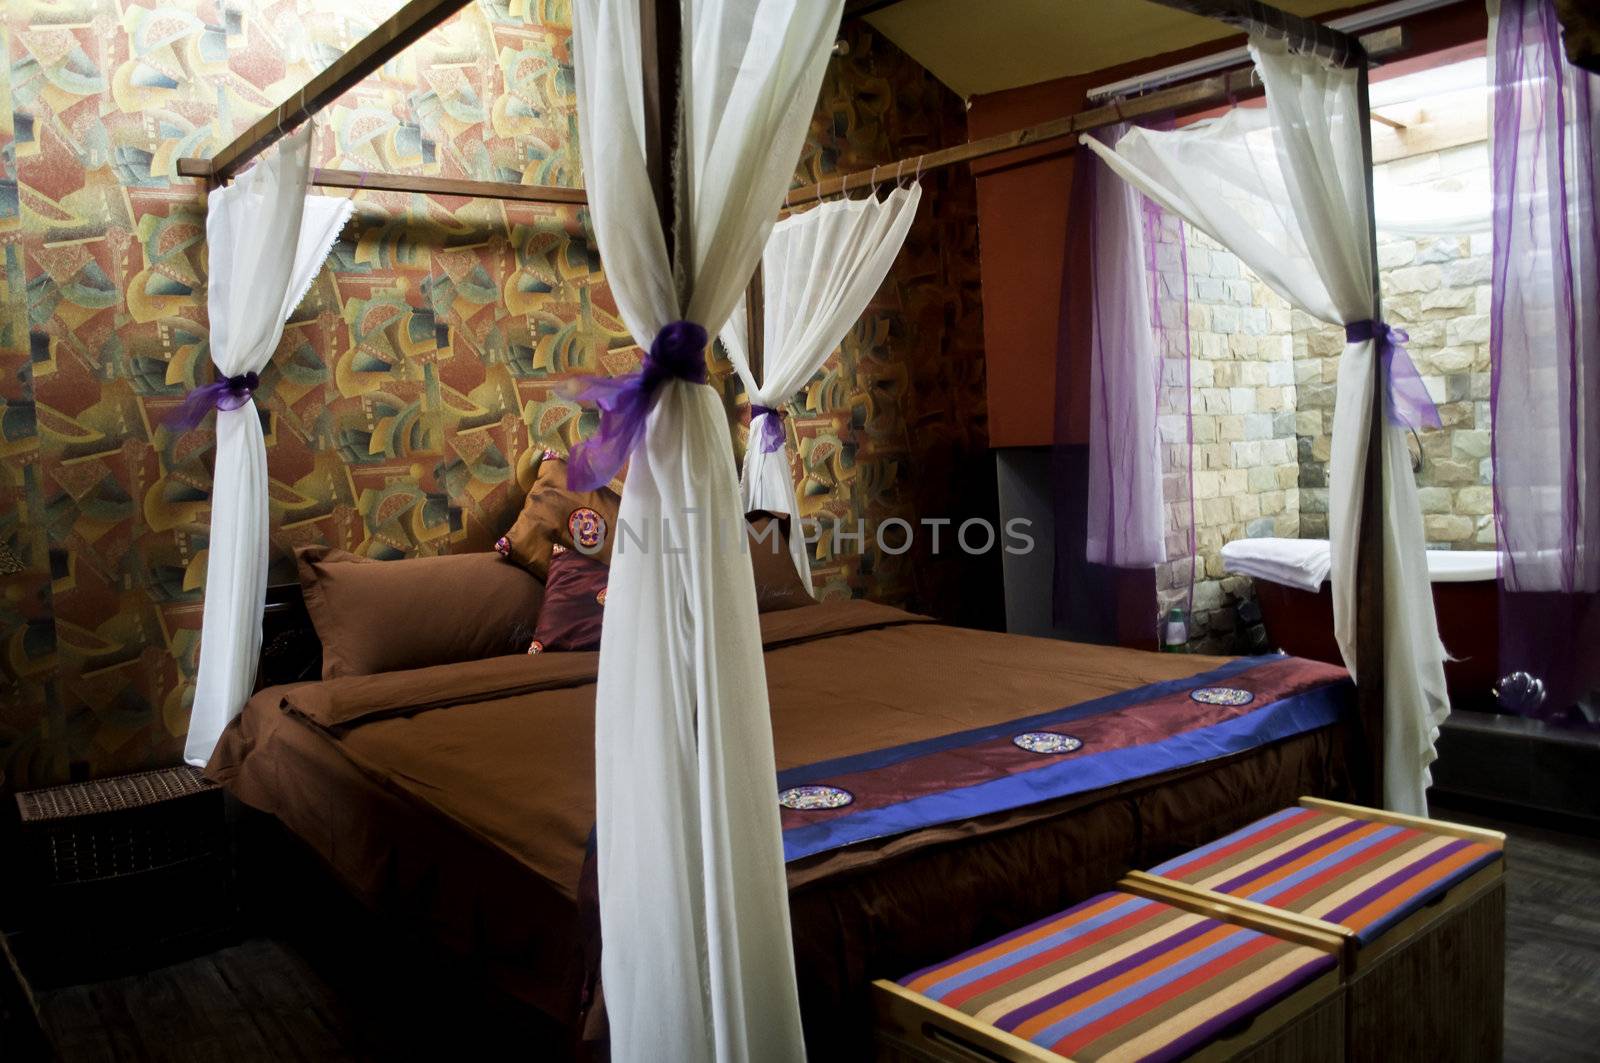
(1287, 898)
(957, 997)
(1395, 898)
(939, 974)
(1249, 841)
(1152, 1000)
(1090, 997)
(1327, 848)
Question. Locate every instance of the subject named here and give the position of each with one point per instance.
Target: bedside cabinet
(122, 874)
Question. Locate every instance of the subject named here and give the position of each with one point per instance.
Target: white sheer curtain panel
(697, 961)
(819, 271)
(266, 240)
(1285, 190)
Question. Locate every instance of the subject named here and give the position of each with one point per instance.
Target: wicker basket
(124, 872)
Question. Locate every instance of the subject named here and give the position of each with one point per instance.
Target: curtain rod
(1361, 22)
(433, 186)
(1195, 96)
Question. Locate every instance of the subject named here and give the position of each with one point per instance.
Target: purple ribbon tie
(227, 394)
(771, 428)
(1406, 401)
(677, 353)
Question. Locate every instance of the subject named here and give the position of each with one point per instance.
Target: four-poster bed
(690, 850)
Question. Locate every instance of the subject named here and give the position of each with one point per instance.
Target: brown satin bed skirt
(874, 910)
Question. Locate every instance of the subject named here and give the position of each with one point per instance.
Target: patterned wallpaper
(415, 381)
(897, 424)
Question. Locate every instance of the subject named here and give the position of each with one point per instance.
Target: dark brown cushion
(574, 603)
(583, 521)
(778, 584)
(383, 616)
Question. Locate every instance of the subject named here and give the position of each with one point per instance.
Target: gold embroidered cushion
(584, 521)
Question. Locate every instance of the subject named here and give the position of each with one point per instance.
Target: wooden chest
(1124, 976)
(1419, 903)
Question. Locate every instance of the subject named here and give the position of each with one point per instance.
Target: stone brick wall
(1246, 477)
(1437, 289)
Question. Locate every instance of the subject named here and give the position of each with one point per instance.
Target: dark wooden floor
(266, 999)
(1552, 941)
(287, 998)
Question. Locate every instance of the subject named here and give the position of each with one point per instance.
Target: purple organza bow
(771, 428)
(678, 353)
(1406, 400)
(227, 394)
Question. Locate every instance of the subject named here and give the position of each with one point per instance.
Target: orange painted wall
(1023, 198)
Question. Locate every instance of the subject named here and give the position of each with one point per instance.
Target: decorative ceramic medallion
(535, 646)
(502, 546)
(814, 798)
(600, 597)
(1221, 696)
(1047, 742)
(587, 528)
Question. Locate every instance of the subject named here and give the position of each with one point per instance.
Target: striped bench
(1123, 977)
(1420, 905)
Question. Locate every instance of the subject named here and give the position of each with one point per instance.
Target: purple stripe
(1378, 889)
(1248, 1008)
(1291, 856)
(1013, 1019)
(1064, 918)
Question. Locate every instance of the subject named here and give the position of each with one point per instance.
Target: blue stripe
(1163, 976)
(1223, 842)
(823, 770)
(1375, 928)
(1343, 852)
(1015, 956)
(1078, 774)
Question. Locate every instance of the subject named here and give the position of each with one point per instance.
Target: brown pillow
(582, 521)
(574, 603)
(778, 584)
(384, 616)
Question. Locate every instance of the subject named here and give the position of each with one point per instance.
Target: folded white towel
(1302, 563)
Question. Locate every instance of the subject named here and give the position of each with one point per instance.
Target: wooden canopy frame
(661, 44)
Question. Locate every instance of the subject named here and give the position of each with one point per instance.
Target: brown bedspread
(461, 796)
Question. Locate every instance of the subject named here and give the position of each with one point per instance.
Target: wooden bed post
(755, 321)
(1344, 49)
(661, 47)
(1370, 656)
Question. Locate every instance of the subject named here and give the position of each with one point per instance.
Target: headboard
(290, 649)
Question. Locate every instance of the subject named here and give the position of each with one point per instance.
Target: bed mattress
(460, 797)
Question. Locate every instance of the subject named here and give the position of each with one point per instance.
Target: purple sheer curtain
(1167, 271)
(1124, 506)
(1126, 501)
(1545, 351)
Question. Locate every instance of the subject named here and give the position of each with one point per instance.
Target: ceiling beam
(1252, 16)
(863, 8)
(366, 56)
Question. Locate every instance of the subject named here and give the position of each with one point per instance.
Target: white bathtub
(1291, 586)
(1304, 563)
